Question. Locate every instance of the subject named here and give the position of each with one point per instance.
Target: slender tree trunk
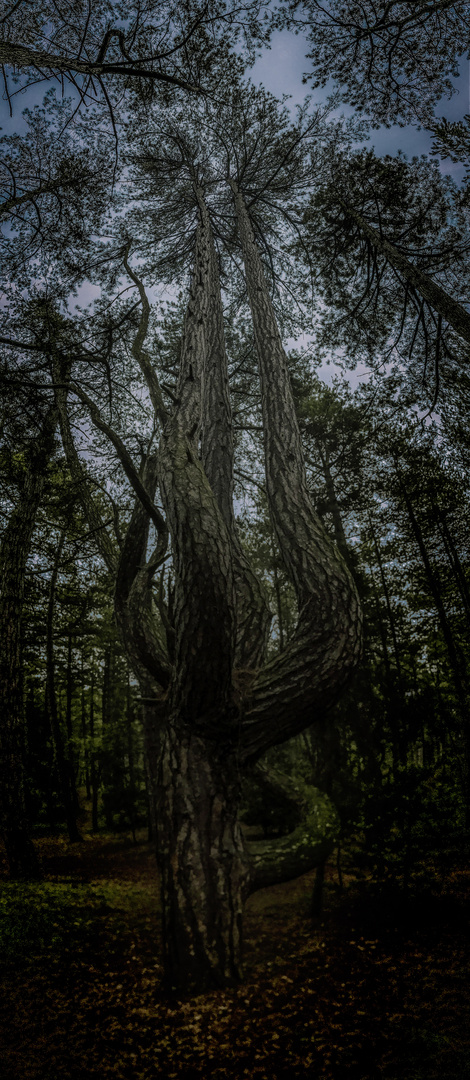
(72, 764)
(386, 592)
(130, 756)
(454, 560)
(15, 547)
(396, 689)
(94, 759)
(63, 764)
(456, 661)
(449, 309)
(338, 528)
(85, 733)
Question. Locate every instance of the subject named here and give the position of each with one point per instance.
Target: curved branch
(126, 462)
(313, 839)
(325, 648)
(139, 353)
(135, 611)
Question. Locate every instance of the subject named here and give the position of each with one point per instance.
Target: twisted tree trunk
(211, 705)
(217, 722)
(63, 762)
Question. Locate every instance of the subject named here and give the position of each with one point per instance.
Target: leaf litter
(375, 990)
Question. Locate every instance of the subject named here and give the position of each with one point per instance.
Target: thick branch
(253, 615)
(21, 56)
(454, 313)
(313, 839)
(308, 676)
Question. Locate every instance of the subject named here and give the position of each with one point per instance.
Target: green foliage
(48, 917)
(411, 816)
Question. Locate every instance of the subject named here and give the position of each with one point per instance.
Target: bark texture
(319, 660)
(203, 862)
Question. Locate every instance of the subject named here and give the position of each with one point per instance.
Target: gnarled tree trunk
(212, 705)
(217, 722)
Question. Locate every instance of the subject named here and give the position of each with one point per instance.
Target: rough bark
(308, 676)
(205, 879)
(15, 547)
(253, 617)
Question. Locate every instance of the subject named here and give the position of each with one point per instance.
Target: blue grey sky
(280, 70)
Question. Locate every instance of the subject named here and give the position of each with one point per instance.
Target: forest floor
(372, 990)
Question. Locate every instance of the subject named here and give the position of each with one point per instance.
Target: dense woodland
(235, 595)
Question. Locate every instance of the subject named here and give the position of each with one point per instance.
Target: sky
(280, 71)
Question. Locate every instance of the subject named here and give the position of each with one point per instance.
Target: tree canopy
(169, 228)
